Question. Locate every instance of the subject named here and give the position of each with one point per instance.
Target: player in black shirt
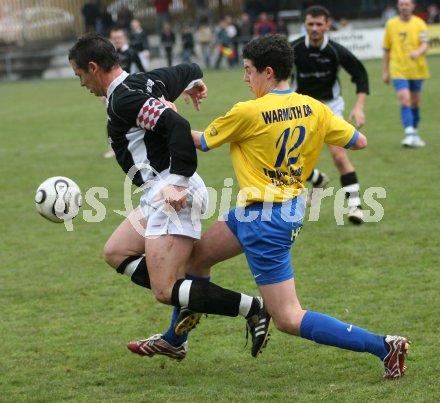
(317, 63)
(154, 147)
(128, 57)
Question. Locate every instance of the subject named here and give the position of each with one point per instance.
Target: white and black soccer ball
(58, 199)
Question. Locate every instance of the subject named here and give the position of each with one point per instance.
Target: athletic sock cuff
(126, 262)
(175, 293)
(349, 179)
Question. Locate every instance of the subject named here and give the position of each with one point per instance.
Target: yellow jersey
(275, 141)
(401, 38)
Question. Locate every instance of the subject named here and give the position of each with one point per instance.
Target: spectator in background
(272, 7)
(421, 13)
(265, 25)
(124, 18)
(245, 29)
(105, 22)
(162, 14)
(202, 12)
(128, 57)
(168, 40)
(187, 43)
(389, 12)
(331, 24)
(90, 12)
(282, 27)
(433, 14)
(344, 25)
(139, 42)
(128, 60)
(253, 8)
(204, 38)
(232, 31)
(223, 43)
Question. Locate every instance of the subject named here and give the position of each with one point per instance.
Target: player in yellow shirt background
(404, 63)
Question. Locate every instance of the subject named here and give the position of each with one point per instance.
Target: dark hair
(271, 51)
(93, 47)
(317, 11)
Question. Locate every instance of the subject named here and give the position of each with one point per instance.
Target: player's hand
(198, 92)
(168, 103)
(358, 115)
(414, 55)
(174, 196)
(386, 78)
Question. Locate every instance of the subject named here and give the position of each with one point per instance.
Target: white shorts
(337, 105)
(163, 219)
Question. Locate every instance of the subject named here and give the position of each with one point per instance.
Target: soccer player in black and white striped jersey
(154, 147)
(317, 63)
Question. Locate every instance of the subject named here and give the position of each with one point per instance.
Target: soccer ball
(58, 199)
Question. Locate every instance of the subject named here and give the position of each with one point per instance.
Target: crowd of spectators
(218, 44)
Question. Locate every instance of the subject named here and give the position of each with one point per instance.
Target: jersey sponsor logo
(285, 114)
(213, 132)
(316, 74)
(149, 85)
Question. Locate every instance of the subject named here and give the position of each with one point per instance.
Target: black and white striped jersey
(316, 69)
(146, 135)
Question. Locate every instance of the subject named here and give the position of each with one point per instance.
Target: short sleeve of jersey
(423, 31)
(338, 131)
(233, 127)
(386, 39)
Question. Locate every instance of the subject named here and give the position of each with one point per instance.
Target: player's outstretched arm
(357, 114)
(415, 54)
(196, 93)
(197, 139)
(360, 143)
(386, 66)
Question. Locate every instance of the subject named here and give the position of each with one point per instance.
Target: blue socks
(416, 117)
(324, 329)
(170, 336)
(406, 116)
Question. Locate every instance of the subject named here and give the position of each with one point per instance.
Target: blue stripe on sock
(326, 330)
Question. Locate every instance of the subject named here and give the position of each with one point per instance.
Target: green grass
(66, 317)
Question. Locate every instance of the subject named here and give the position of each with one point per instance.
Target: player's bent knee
(289, 322)
(162, 295)
(111, 256)
(286, 325)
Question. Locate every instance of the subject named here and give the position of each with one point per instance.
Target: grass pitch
(66, 317)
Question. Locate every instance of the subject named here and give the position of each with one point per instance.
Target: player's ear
(269, 72)
(93, 67)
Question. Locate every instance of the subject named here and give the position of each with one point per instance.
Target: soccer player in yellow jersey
(404, 62)
(273, 140)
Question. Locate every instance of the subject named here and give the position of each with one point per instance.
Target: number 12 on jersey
(283, 139)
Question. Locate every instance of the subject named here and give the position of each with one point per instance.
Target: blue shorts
(412, 85)
(266, 232)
